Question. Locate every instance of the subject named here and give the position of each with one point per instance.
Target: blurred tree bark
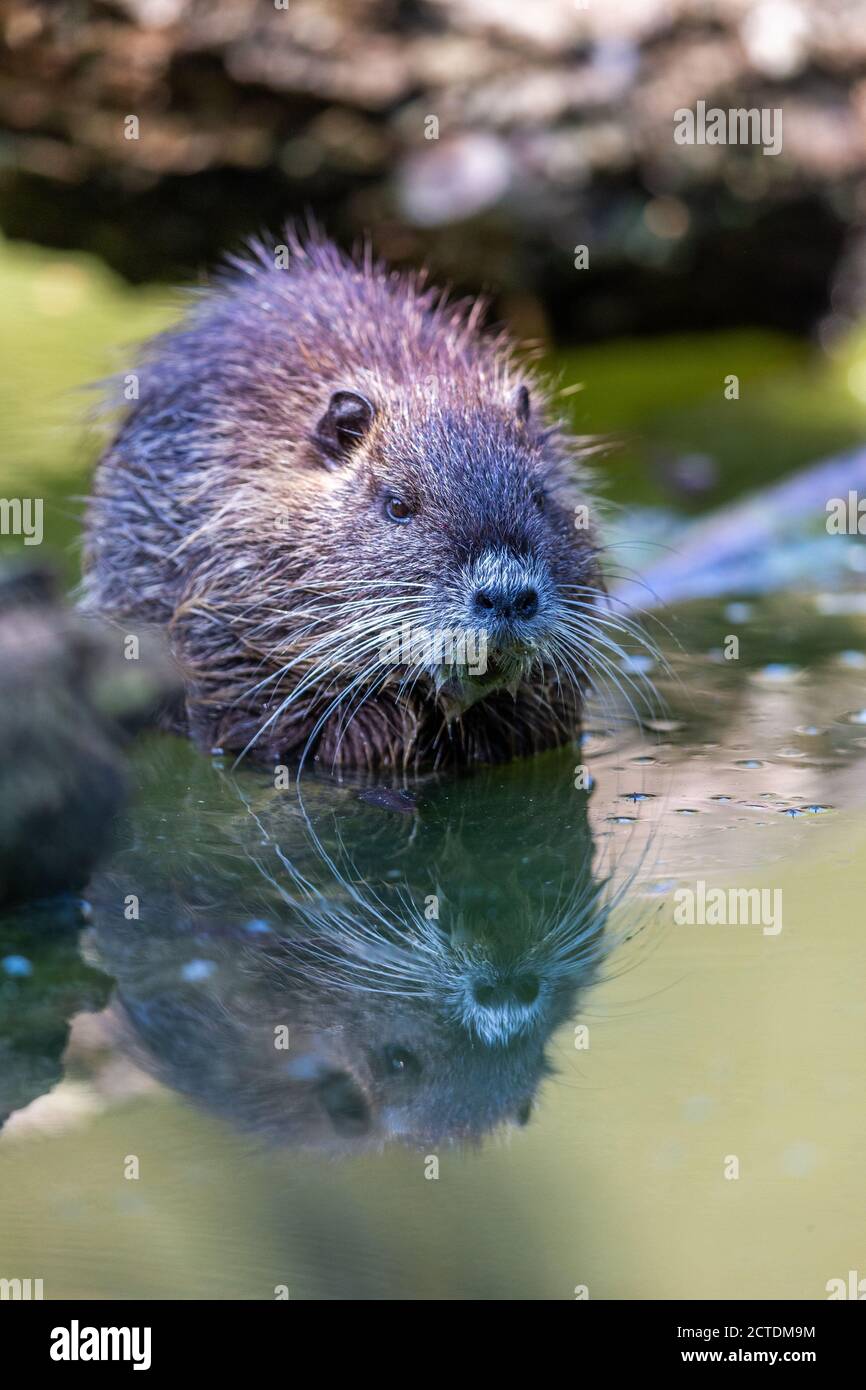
(491, 137)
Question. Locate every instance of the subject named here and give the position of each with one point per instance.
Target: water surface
(582, 1068)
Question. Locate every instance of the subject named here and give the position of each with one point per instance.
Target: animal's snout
(506, 992)
(506, 602)
(506, 590)
(502, 1007)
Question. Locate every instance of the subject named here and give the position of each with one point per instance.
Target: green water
(161, 1142)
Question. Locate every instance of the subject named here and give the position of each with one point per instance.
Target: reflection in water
(328, 973)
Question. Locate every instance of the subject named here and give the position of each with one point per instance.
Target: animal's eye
(398, 510)
(538, 499)
(399, 1061)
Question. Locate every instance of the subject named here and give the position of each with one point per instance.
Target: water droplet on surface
(621, 820)
(637, 796)
(749, 763)
(855, 716)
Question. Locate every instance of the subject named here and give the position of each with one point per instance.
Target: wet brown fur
(215, 514)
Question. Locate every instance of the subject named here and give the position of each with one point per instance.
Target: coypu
(323, 456)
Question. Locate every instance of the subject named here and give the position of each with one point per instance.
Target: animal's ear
(343, 425)
(522, 404)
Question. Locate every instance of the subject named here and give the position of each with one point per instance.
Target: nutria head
(450, 519)
(357, 517)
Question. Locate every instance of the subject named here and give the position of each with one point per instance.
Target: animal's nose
(508, 990)
(502, 601)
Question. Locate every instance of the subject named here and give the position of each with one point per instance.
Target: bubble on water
(17, 966)
(645, 760)
(665, 726)
(855, 716)
(855, 661)
(637, 796)
(621, 820)
(196, 970)
(720, 797)
(738, 612)
(791, 753)
(810, 730)
(750, 763)
(815, 810)
(686, 811)
(793, 811)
